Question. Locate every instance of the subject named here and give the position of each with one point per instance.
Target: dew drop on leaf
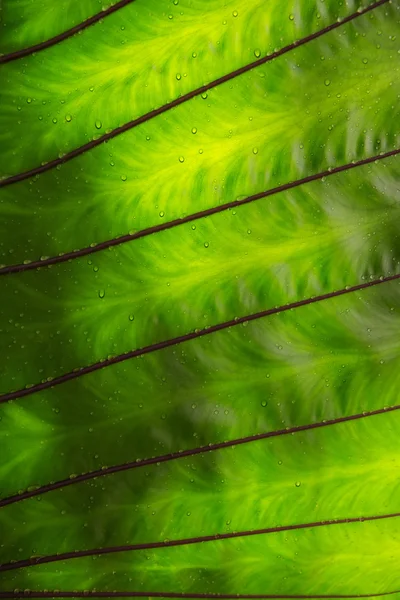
(124, 177)
(98, 124)
(298, 483)
(102, 293)
(264, 403)
(206, 244)
(68, 118)
(291, 17)
(327, 82)
(235, 13)
(194, 130)
(178, 76)
(257, 52)
(181, 159)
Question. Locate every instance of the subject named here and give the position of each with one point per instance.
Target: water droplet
(365, 61)
(194, 129)
(181, 159)
(54, 120)
(194, 54)
(68, 118)
(204, 95)
(235, 13)
(255, 150)
(124, 177)
(291, 17)
(193, 227)
(131, 317)
(264, 403)
(257, 53)
(29, 100)
(98, 124)
(176, 2)
(102, 293)
(298, 483)
(206, 244)
(327, 82)
(178, 76)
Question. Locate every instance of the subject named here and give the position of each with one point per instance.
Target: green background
(327, 103)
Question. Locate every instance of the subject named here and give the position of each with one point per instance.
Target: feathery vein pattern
(30, 562)
(5, 58)
(184, 98)
(193, 217)
(307, 380)
(187, 337)
(140, 463)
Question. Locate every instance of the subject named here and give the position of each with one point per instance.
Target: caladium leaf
(209, 403)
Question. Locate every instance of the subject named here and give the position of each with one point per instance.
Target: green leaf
(227, 421)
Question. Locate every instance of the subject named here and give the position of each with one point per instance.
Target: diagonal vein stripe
(5, 58)
(94, 594)
(145, 462)
(49, 383)
(41, 560)
(166, 107)
(8, 270)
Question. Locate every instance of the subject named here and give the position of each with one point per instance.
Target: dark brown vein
(91, 594)
(178, 101)
(5, 58)
(145, 462)
(192, 217)
(41, 560)
(38, 387)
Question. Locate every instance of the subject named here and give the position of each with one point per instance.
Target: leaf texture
(329, 102)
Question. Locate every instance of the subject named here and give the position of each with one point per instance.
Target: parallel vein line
(184, 98)
(94, 594)
(40, 560)
(49, 383)
(7, 270)
(145, 462)
(5, 58)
